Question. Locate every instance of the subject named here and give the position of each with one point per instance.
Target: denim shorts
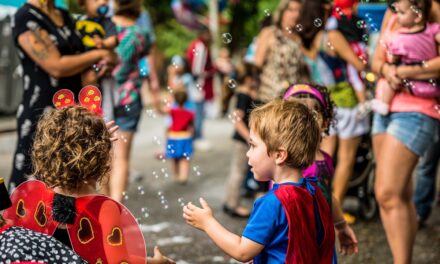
(415, 130)
(128, 119)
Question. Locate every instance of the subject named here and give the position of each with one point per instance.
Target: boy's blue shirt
(268, 226)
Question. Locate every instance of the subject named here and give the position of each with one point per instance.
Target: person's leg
(395, 163)
(184, 166)
(328, 144)
(344, 167)
(121, 160)
(176, 169)
(238, 171)
(426, 175)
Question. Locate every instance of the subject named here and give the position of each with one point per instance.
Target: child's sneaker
(380, 107)
(350, 219)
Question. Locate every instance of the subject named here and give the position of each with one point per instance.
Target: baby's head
(94, 8)
(412, 12)
(286, 128)
(128, 8)
(180, 96)
(317, 98)
(71, 148)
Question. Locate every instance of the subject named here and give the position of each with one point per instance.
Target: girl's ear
(280, 156)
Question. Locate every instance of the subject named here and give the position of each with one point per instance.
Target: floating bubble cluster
(197, 171)
(156, 140)
(150, 113)
(140, 190)
(267, 12)
(234, 117)
(145, 212)
(181, 201)
(163, 200)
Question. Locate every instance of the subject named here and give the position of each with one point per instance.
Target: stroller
(361, 185)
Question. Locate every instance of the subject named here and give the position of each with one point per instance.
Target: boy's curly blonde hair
(72, 146)
(288, 125)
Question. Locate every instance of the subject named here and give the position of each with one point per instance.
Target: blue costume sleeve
(264, 222)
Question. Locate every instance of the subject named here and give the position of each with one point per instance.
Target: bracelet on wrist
(340, 223)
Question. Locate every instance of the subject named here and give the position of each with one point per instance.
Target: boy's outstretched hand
(196, 216)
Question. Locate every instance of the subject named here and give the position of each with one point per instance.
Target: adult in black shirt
(52, 58)
(246, 94)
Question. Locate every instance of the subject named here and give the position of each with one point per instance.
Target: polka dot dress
(19, 244)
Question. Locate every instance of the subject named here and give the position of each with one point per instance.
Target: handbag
(343, 95)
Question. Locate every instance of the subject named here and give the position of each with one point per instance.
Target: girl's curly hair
(72, 146)
(328, 113)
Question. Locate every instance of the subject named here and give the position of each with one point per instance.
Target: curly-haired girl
(317, 98)
(71, 155)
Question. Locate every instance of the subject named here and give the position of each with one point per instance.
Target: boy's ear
(280, 156)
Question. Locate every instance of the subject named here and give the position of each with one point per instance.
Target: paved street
(157, 200)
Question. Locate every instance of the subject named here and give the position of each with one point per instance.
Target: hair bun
(63, 209)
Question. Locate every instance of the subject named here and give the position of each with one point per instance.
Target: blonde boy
(292, 222)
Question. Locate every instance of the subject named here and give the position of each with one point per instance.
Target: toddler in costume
(417, 41)
(317, 98)
(97, 31)
(71, 155)
(292, 222)
(180, 137)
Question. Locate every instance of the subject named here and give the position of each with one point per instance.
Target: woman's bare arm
(343, 49)
(263, 42)
(40, 48)
(379, 56)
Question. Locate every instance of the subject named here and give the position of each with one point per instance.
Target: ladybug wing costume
(101, 230)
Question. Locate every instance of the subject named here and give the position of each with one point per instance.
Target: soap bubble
(232, 83)
(317, 22)
(227, 38)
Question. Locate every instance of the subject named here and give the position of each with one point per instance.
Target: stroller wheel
(368, 209)
(368, 206)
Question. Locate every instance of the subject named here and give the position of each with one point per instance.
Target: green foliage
(173, 38)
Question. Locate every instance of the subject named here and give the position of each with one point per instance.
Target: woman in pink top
(399, 139)
(415, 42)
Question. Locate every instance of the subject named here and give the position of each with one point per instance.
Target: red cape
(298, 203)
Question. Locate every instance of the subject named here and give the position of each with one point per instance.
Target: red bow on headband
(89, 97)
